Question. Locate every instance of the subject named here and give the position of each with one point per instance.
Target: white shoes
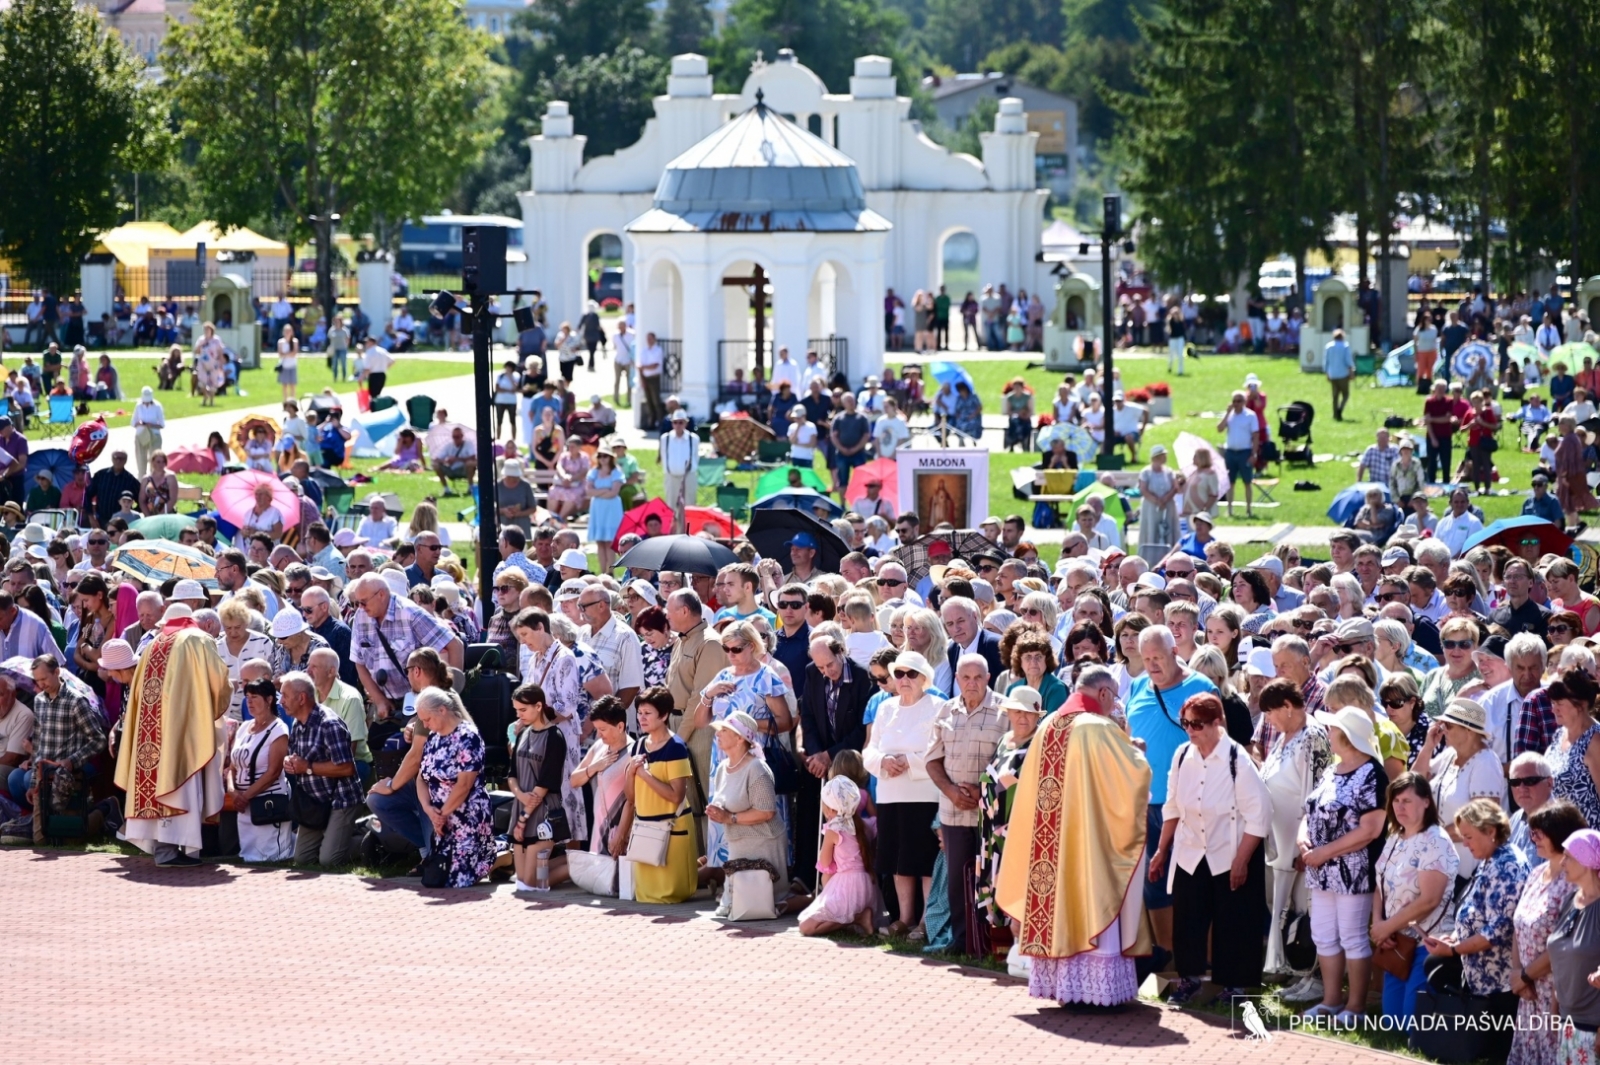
(1309, 989)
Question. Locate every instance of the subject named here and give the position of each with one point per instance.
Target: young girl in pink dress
(848, 895)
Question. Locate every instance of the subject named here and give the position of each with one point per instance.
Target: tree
(826, 35)
(686, 26)
(75, 113)
(611, 96)
(961, 33)
(307, 109)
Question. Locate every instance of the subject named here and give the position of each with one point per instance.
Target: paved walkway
(125, 964)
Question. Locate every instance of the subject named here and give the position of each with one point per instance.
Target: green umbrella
(1520, 352)
(777, 480)
(163, 526)
(1573, 354)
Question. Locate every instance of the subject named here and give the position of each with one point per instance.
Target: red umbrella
(885, 470)
(235, 497)
(191, 458)
(698, 518)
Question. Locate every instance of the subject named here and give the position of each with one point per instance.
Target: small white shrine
(822, 200)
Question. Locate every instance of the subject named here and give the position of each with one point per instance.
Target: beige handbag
(750, 896)
(648, 841)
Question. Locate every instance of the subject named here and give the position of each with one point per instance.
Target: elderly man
(1531, 783)
(963, 623)
(614, 643)
(96, 545)
(1517, 711)
(456, 461)
(430, 549)
(318, 608)
(322, 758)
(514, 498)
(385, 631)
(697, 657)
(1284, 598)
(1542, 504)
(1455, 527)
(1378, 460)
(23, 633)
(1291, 660)
(1368, 561)
(323, 666)
(967, 730)
(831, 714)
(1242, 431)
(1377, 519)
(232, 576)
(1153, 706)
(678, 451)
(513, 542)
(171, 756)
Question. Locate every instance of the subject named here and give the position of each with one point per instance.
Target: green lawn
(1200, 397)
(138, 369)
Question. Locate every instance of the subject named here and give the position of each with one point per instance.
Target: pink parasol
(885, 470)
(191, 459)
(235, 497)
(1187, 446)
(439, 437)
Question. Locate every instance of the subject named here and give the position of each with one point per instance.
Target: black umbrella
(682, 554)
(328, 479)
(772, 530)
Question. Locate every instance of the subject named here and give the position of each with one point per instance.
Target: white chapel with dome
(825, 200)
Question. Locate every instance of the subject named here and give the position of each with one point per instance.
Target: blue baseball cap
(804, 539)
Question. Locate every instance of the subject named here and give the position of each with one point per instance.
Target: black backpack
(487, 697)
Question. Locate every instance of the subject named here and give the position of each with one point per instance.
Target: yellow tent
(131, 243)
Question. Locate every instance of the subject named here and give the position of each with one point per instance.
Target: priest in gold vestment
(170, 760)
(1071, 874)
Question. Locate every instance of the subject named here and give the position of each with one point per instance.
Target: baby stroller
(1294, 432)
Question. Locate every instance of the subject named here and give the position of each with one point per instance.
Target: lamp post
(1111, 229)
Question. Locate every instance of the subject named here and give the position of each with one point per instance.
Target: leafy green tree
(76, 110)
(611, 96)
(826, 35)
(686, 26)
(961, 33)
(303, 109)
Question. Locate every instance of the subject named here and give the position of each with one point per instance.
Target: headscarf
(1583, 846)
(843, 797)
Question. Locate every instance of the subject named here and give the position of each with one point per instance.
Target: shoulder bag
(436, 868)
(271, 808)
(785, 771)
(596, 871)
(650, 838)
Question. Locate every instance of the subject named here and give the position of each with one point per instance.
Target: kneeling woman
(658, 777)
(540, 826)
(745, 804)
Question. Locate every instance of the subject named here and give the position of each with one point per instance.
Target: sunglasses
(1384, 597)
(734, 648)
(504, 588)
(1395, 704)
(1459, 645)
(1300, 623)
(905, 674)
(889, 582)
(1559, 628)
(880, 678)
(792, 604)
(1532, 541)
(1191, 725)
(1526, 782)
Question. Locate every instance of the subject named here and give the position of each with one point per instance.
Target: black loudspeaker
(523, 316)
(483, 260)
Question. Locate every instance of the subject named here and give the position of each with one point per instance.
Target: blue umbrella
(55, 461)
(1509, 532)
(948, 373)
(1469, 357)
(805, 499)
(1352, 499)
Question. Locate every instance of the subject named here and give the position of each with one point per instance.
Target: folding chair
(712, 472)
(734, 499)
(774, 451)
(63, 417)
(419, 409)
(1263, 487)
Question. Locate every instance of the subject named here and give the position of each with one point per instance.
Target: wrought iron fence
(832, 352)
(671, 365)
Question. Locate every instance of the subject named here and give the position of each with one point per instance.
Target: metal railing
(671, 366)
(832, 352)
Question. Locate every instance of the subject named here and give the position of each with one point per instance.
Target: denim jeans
(341, 368)
(402, 813)
(1400, 996)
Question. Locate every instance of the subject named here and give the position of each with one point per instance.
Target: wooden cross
(758, 278)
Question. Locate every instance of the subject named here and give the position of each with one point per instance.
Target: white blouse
(903, 730)
(1216, 805)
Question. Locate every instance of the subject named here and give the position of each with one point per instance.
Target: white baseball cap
(573, 558)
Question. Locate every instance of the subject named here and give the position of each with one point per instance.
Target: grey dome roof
(760, 173)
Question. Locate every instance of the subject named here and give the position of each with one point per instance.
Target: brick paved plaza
(112, 960)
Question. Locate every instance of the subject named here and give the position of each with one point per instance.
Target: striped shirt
(407, 627)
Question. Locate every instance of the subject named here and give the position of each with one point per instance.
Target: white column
(791, 289)
(866, 339)
(702, 304)
(375, 283)
(98, 284)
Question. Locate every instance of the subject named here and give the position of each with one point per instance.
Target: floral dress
(994, 814)
(1334, 809)
(1538, 911)
(1570, 773)
(655, 663)
(467, 842)
(1400, 870)
(749, 694)
(1486, 910)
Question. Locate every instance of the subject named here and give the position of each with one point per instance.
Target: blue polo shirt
(1159, 728)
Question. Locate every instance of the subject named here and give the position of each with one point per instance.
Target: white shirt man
(23, 633)
(812, 369)
(1454, 529)
(890, 431)
(651, 360)
(784, 370)
(376, 359)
